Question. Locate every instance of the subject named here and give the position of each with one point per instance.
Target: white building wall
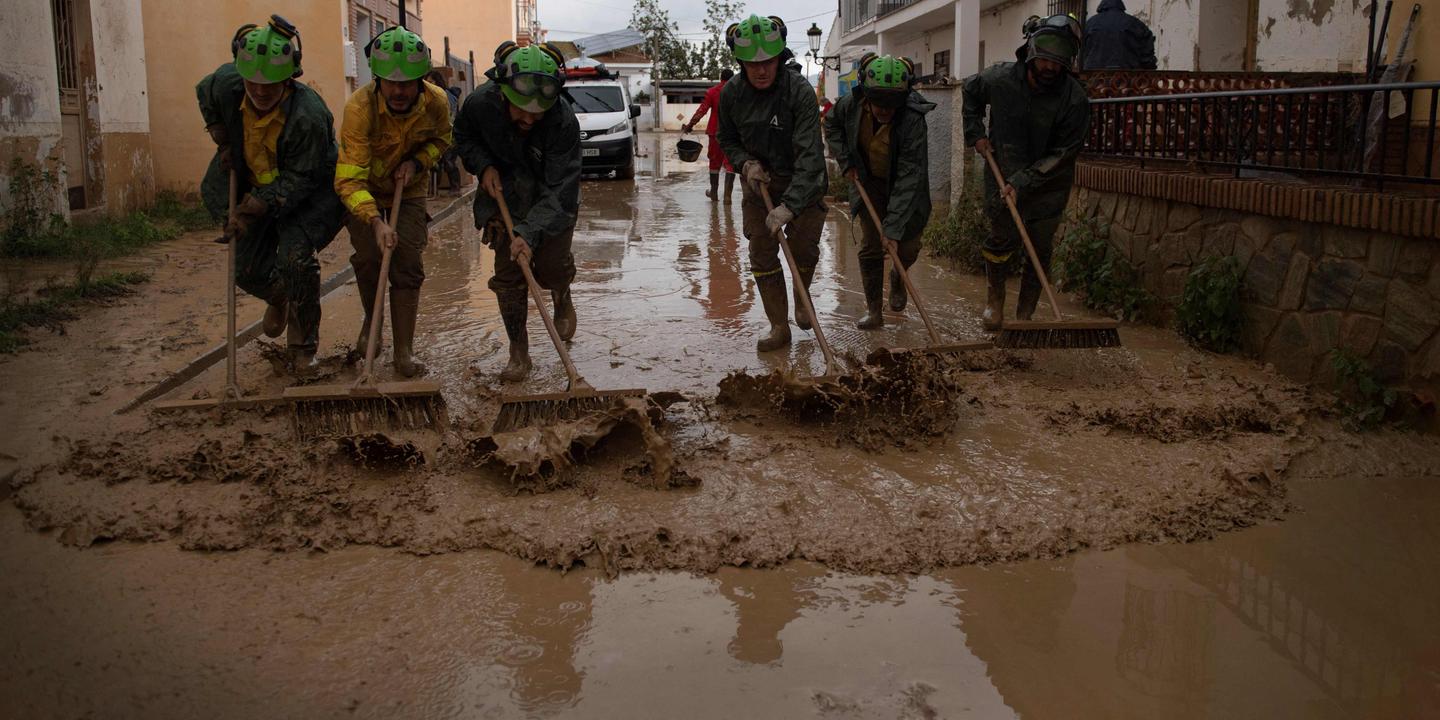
(1320, 37)
(1000, 29)
(29, 103)
(921, 47)
(120, 66)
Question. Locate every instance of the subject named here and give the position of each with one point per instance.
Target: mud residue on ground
(910, 397)
(542, 457)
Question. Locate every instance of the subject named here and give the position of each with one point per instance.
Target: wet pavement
(1330, 608)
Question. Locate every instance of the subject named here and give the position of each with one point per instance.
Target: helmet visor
(541, 85)
(1063, 22)
(1054, 46)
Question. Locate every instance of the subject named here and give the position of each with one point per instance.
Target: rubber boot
(302, 345)
(994, 297)
(404, 307)
(897, 291)
(367, 300)
(1029, 295)
(276, 317)
(729, 185)
(772, 295)
(872, 278)
(564, 312)
(714, 186)
(512, 312)
(802, 318)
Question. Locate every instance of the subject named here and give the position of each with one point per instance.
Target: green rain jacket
(304, 191)
(540, 171)
(1036, 135)
(780, 127)
(909, 208)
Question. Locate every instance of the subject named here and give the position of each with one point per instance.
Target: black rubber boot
(1029, 295)
(729, 185)
(367, 300)
(772, 295)
(276, 318)
(802, 318)
(872, 278)
(994, 315)
(564, 312)
(404, 309)
(714, 186)
(512, 312)
(303, 338)
(897, 291)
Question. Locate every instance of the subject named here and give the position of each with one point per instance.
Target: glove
(247, 212)
(754, 174)
(778, 218)
(687, 127)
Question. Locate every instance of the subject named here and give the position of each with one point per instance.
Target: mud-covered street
(1146, 531)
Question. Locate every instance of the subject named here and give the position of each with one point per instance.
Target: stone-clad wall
(1309, 287)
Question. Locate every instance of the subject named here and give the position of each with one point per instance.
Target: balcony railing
(1373, 133)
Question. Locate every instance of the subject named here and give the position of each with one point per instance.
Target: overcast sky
(569, 19)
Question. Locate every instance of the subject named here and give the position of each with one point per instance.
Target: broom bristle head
(343, 417)
(522, 413)
(1057, 338)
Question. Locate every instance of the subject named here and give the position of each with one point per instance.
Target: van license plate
(589, 152)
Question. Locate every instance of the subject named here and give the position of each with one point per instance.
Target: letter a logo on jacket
(775, 121)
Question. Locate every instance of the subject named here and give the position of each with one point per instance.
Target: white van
(601, 101)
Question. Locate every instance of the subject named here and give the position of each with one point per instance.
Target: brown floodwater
(1139, 532)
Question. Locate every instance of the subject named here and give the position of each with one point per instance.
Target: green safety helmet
(530, 77)
(268, 54)
(399, 55)
(886, 79)
(756, 39)
(1055, 38)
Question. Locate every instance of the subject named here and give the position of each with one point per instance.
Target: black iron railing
(1379, 133)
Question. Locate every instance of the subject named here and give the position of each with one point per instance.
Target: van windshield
(599, 99)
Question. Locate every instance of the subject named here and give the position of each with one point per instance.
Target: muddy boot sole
(873, 319)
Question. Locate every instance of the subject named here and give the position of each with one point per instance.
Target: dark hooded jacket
(909, 208)
(304, 191)
(1115, 39)
(540, 171)
(1036, 135)
(780, 127)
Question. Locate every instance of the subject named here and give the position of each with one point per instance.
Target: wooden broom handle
(800, 290)
(232, 385)
(899, 266)
(372, 345)
(576, 382)
(1024, 234)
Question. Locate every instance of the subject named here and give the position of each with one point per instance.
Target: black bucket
(689, 150)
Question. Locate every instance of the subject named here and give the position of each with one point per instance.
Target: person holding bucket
(711, 105)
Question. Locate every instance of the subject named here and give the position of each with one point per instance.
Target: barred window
(1066, 7)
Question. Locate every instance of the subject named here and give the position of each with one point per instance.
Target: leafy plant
(1086, 263)
(958, 236)
(31, 226)
(1365, 401)
(1210, 314)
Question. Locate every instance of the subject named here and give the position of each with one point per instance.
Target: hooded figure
(1117, 40)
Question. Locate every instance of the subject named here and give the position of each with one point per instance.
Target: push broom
(580, 398)
(805, 386)
(1060, 334)
(368, 405)
(935, 346)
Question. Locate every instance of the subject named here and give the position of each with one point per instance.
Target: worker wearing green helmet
(279, 138)
(1039, 116)
(770, 130)
(393, 132)
(878, 137)
(525, 147)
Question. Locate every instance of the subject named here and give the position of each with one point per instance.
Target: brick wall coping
(1385, 212)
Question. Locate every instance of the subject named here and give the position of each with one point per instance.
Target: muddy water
(1323, 608)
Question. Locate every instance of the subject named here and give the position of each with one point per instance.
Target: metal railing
(1367, 132)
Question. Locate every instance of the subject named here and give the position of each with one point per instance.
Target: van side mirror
(634, 110)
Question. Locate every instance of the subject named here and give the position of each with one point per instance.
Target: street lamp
(813, 35)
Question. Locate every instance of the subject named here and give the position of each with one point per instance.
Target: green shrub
(1210, 314)
(1365, 402)
(958, 236)
(31, 226)
(1084, 262)
(186, 214)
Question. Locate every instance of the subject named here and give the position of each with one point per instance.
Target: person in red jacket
(717, 156)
